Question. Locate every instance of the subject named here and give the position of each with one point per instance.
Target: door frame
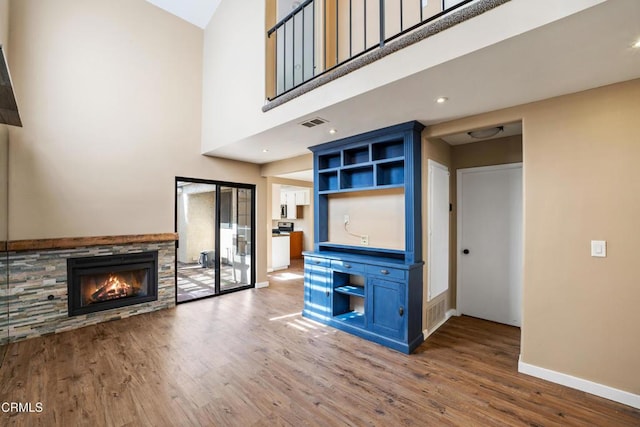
(459, 173)
(218, 184)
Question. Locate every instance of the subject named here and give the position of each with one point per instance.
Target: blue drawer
(347, 266)
(389, 273)
(321, 262)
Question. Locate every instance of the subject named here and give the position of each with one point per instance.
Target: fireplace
(111, 281)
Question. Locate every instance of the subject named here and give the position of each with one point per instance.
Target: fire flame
(113, 288)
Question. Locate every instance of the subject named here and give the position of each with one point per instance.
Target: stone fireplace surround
(37, 292)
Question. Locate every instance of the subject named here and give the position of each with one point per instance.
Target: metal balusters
(382, 10)
(284, 56)
(293, 52)
(364, 45)
(350, 26)
(303, 45)
(313, 39)
(324, 44)
(337, 32)
(296, 59)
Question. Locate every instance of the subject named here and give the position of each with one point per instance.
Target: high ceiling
(589, 49)
(197, 12)
(586, 50)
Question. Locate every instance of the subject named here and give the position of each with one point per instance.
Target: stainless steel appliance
(285, 227)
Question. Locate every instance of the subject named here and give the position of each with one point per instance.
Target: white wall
(234, 77)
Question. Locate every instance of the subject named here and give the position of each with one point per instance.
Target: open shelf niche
(349, 298)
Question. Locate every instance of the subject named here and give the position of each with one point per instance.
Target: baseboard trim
(447, 316)
(590, 387)
(262, 285)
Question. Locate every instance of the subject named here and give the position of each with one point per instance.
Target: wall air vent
(314, 122)
(435, 314)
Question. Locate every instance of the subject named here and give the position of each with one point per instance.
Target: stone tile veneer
(34, 275)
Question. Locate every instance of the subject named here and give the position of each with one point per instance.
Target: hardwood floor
(250, 359)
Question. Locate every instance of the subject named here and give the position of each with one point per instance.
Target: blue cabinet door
(386, 308)
(317, 291)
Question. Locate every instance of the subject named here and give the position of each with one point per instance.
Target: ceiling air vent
(314, 122)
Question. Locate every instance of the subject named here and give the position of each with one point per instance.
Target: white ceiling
(197, 12)
(306, 175)
(589, 49)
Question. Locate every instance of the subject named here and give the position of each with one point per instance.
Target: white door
(490, 243)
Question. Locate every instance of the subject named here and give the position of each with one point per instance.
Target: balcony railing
(320, 35)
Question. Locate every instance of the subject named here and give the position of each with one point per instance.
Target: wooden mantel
(75, 242)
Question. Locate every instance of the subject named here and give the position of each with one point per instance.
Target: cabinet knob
(327, 293)
(383, 271)
(316, 262)
(347, 265)
(465, 251)
(401, 311)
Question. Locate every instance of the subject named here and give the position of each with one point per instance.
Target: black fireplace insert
(111, 281)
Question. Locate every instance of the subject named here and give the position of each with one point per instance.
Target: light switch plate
(599, 248)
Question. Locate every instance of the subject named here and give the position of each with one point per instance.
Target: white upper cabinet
(275, 201)
(302, 197)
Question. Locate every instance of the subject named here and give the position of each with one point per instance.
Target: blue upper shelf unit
(372, 165)
(381, 159)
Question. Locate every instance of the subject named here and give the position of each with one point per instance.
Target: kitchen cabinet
(275, 201)
(302, 197)
(294, 200)
(374, 293)
(292, 212)
(297, 197)
(280, 252)
(295, 239)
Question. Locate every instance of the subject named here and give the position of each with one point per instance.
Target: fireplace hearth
(105, 282)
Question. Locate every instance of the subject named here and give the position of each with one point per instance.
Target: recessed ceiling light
(333, 131)
(637, 44)
(265, 150)
(442, 100)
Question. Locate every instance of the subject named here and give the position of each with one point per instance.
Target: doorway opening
(485, 246)
(215, 222)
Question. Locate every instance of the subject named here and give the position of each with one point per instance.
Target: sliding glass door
(215, 226)
(236, 241)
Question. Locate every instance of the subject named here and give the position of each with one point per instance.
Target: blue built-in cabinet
(375, 293)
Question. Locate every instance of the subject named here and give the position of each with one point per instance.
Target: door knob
(465, 251)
